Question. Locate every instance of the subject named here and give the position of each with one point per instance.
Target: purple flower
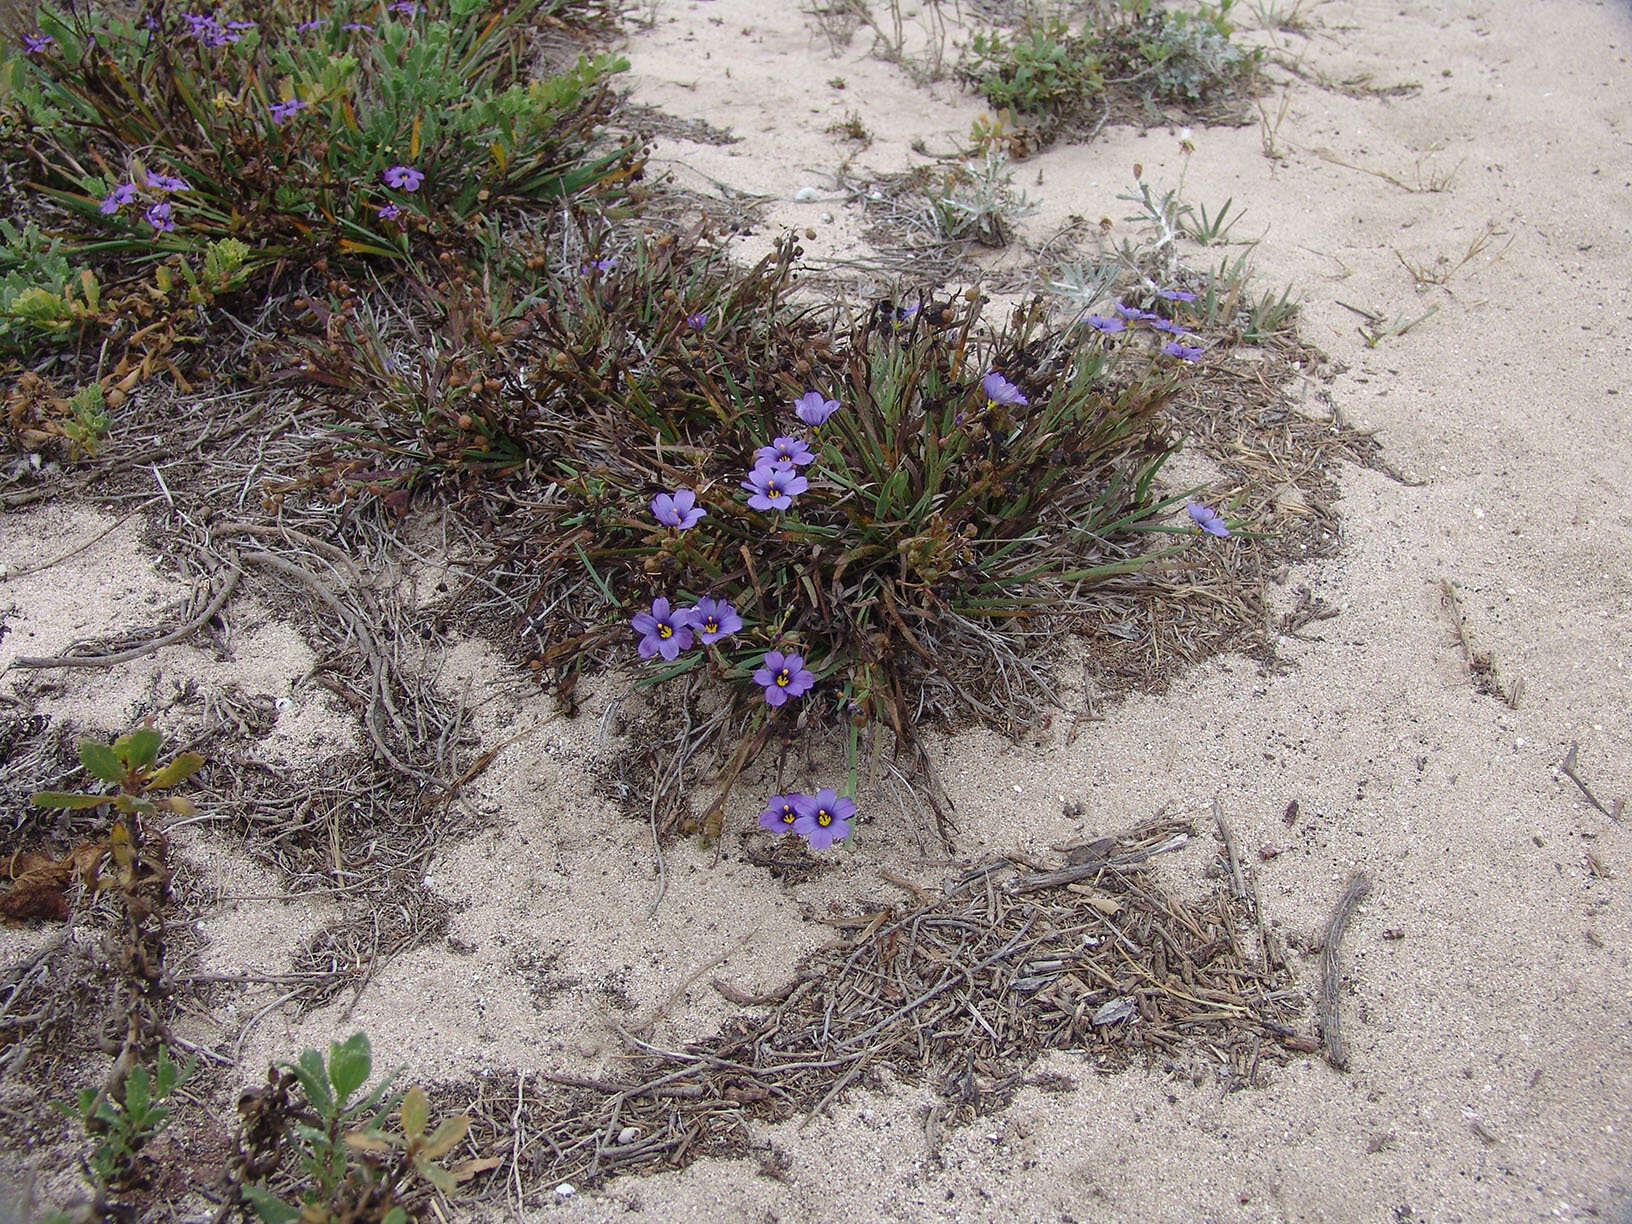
(774, 486)
(714, 619)
(903, 315)
(1189, 352)
(1000, 390)
(1107, 325)
(354, 27)
(824, 818)
(784, 676)
(167, 182)
(388, 212)
(813, 409)
(662, 632)
(1168, 326)
(1208, 519)
(608, 264)
(158, 216)
(697, 321)
(404, 178)
(406, 7)
(1176, 295)
(306, 27)
(37, 44)
(282, 112)
(784, 451)
(117, 198)
(781, 811)
(1134, 314)
(679, 511)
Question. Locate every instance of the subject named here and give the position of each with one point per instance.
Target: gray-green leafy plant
(978, 201)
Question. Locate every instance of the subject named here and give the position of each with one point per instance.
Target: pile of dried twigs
(964, 990)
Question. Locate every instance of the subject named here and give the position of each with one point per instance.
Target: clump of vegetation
(312, 1150)
(121, 1122)
(902, 504)
(206, 148)
(1135, 54)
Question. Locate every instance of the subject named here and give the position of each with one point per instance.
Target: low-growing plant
(1184, 57)
(978, 201)
(41, 292)
(1134, 50)
(347, 1164)
(1040, 69)
(218, 145)
(122, 1121)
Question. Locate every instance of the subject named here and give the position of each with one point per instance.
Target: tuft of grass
(1444, 268)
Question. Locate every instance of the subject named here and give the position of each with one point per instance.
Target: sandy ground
(1489, 998)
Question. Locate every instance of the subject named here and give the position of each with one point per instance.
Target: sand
(1488, 998)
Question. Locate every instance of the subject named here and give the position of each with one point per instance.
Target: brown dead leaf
(467, 1169)
(40, 882)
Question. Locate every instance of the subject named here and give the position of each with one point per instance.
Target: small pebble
(565, 1190)
(628, 1135)
(807, 193)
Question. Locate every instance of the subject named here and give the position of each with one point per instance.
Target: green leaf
(137, 1095)
(182, 767)
(269, 1206)
(309, 1071)
(100, 761)
(437, 1176)
(349, 1064)
(416, 1112)
(395, 1216)
(66, 799)
(139, 749)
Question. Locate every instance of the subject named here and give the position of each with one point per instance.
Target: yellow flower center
(711, 625)
(782, 678)
(664, 630)
(824, 817)
(789, 815)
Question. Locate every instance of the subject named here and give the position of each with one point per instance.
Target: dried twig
(1336, 1049)
(1567, 768)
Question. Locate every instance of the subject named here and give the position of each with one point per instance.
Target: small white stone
(628, 1135)
(1017, 789)
(807, 193)
(281, 704)
(565, 1190)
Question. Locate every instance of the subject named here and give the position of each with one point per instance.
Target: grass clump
(905, 502)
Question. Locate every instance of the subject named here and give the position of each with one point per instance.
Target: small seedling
(122, 1124)
(1209, 229)
(1443, 268)
(130, 763)
(350, 1166)
(1376, 328)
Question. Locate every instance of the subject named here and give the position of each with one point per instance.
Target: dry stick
(1068, 875)
(1336, 1051)
(1568, 770)
(1476, 661)
(136, 652)
(1240, 884)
